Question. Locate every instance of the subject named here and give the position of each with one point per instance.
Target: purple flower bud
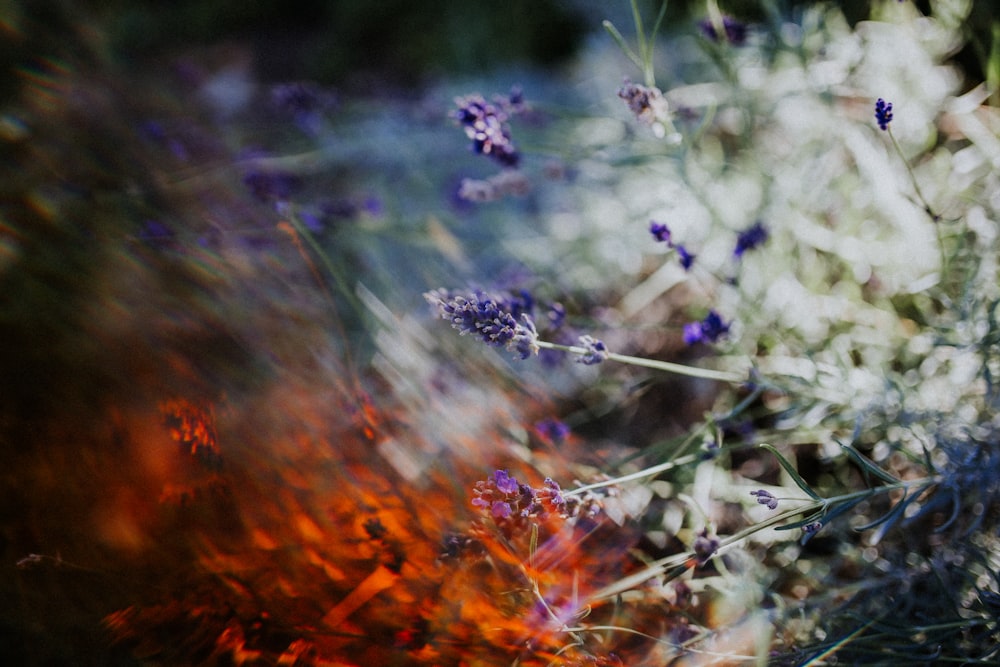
(552, 430)
(750, 238)
(501, 510)
(687, 259)
(486, 125)
(488, 318)
(708, 330)
(505, 483)
(596, 352)
(765, 498)
(883, 113)
(659, 231)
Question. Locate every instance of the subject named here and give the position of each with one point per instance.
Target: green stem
(927, 207)
(679, 369)
(645, 472)
(679, 562)
(913, 178)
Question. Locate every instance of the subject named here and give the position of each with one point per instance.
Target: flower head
(508, 501)
(708, 330)
(485, 124)
(660, 232)
(883, 113)
(488, 318)
(750, 238)
(596, 352)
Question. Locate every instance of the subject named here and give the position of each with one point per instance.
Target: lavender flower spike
(660, 232)
(750, 238)
(883, 113)
(486, 125)
(487, 318)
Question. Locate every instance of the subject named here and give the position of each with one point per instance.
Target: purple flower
(525, 341)
(687, 259)
(692, 333)
(509, 502)
(596, 352)
(489, 319)
(504, 482)
(735, 32)
(486, 125)
(552, 430)
(765, 498)
(750, 238)
(708, 330)
(501, 510)
(660, 232)
(553, 494)
(883, 113)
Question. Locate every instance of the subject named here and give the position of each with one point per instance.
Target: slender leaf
(790, 469)
(891, 514)
(868, 466)
(622, 44)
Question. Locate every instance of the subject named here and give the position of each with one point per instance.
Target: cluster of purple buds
(765, 498)
(496, 322)
(883, 113)
(503, 498)
(709, 330)
(662, 233)
(596, 351)
(485, 123)
(750, 238)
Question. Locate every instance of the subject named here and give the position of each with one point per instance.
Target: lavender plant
(847, 287)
